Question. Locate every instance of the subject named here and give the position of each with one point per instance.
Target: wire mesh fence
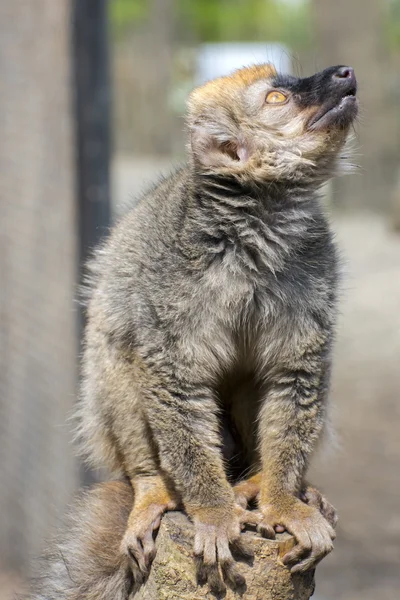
(38, 266)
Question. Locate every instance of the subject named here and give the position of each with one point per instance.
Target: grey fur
(214, 300)
(201, 284)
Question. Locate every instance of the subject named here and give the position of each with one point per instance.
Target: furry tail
(85, 562)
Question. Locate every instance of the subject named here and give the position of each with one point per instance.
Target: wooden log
(173, 576)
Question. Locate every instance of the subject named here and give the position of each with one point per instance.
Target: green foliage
(124, 13)
(287, 21)
(393, 24)
(225, 20)
(249, 20)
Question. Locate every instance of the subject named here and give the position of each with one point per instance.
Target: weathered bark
(173, 577)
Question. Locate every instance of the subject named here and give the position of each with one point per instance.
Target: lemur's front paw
(312, 531)
(314, 498)
(138, 542)
(217, 534)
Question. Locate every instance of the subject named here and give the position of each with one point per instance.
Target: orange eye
(275, 97)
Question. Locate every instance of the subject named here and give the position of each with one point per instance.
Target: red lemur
(211, 317)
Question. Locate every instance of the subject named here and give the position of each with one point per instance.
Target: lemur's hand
(312, 531)
(152, 499)
(217, 533)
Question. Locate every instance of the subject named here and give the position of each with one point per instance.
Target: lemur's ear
(218, 144)
(217, 151)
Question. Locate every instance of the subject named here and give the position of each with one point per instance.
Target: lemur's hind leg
(247, 491)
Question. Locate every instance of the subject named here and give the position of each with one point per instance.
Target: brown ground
(362, 478)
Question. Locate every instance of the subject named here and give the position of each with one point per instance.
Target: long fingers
(303, 546)
(321, 545)
(133, 548)
(205, 552)
(314, 535)
(139, 545)
(313, 544)
(214, 561)
(229, 569)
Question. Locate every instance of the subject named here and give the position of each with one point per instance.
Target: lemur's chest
(249, 305)
(229, 317)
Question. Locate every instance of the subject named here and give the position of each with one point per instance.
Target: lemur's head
(259, 125)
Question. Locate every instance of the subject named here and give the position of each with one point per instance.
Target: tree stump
(173, 576)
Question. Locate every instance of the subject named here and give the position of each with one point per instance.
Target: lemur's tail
(84, 561)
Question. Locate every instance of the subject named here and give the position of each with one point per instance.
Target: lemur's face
(324, 102)
(259, 124)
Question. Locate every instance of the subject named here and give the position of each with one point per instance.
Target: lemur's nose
(346, 73)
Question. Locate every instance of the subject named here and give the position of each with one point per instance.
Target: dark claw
(266, 531)
(232, 576)
(138, 561)
(209, 574)
(217, 586)
(201, 571)
(242, 551)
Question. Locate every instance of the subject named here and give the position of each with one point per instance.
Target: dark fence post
(93, 138)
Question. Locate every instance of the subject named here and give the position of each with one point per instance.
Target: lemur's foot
(248, 490)
(313, 497)
(152, 500)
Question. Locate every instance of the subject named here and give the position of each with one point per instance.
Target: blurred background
(92, 97)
